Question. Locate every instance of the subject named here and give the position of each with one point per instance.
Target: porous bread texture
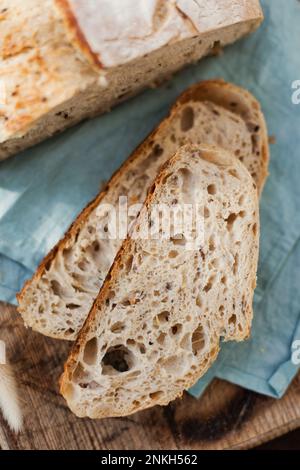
(156, 324)
(48, 84)
(58, 298)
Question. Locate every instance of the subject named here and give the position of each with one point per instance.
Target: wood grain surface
(226, 417)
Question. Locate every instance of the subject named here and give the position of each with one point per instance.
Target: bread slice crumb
(157, 322)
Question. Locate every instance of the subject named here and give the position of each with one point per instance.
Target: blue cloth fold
(44, 188)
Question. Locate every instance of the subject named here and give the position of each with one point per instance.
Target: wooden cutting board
(226, 417)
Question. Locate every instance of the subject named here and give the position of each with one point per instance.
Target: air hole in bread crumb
(117, 327)
(173, 254)
(93, 385)
(186, 178)
(254, 229)
(156, 395)
(230, 221)
(73, 306)
(157, 150)
(96, 246)
(84, 265)
(211, 189)
(128, 264)
(209, 284)
(163, 317)
(79, 373)
(241, 200)
(178, 239)
(211, 244)
(232, 320)
(172, 364)
(69, 332)
(56, 287)
(90, 351)
(206, 213)
(185, 342)
(91, 230)
(133, 374)
(235, 263)
(199, 301)
(187, 119)
(117, 359)
(216, 48)
(233, 173)
(198, 340)
(161, 338)
(136, 403)
(176, 329)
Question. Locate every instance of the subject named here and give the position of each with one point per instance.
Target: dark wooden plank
(226, 416)
(289, 441)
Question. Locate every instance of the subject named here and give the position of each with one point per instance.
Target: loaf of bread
(58, 298)
(62, 61)
(170, 296)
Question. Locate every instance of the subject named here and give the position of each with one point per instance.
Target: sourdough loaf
(156, 324)
(65, 60)
(58, 298)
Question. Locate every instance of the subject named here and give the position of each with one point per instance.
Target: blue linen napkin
(44, 188)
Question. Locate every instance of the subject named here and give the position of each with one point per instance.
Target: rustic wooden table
(227, 417)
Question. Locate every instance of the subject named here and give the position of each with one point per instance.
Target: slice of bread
(57, 299)
(156, 324)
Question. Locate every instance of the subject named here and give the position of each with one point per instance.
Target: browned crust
(198, 92)
(77, 35)
(212, 154)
